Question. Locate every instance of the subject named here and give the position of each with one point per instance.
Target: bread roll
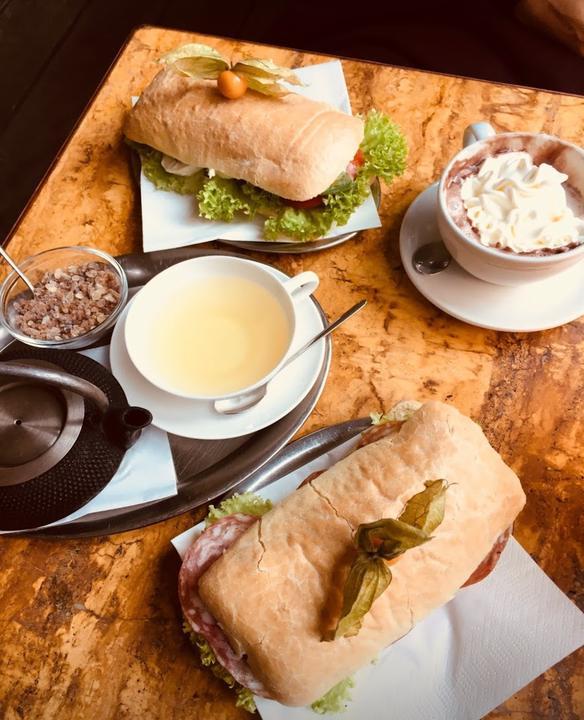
(279, 587)
(291, 146)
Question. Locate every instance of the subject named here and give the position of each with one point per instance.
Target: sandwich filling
(209, 546)
(382, 154)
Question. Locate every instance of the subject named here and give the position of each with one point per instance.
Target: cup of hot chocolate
(511, 205)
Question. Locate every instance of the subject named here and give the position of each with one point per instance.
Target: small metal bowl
(35, 267)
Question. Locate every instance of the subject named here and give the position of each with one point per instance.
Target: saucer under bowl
(528, 308)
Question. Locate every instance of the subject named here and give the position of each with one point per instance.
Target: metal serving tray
(206, 469)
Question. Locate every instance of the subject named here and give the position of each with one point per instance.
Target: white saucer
(539, 306)
(197, 419)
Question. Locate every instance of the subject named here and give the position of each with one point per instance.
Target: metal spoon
(431, 258)
(16, 269)
(235, 405)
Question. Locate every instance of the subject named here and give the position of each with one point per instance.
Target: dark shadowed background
(53, 54)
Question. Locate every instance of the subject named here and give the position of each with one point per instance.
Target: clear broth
(219, 335)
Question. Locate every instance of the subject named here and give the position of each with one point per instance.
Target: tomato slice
(359, 158)
(305, 204)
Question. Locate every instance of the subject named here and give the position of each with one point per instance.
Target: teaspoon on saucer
(233, 406)
(431, 258)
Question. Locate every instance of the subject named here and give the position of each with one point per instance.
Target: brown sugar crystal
(68, 302)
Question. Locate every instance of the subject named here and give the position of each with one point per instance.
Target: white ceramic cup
(170, 283)
(503, 267)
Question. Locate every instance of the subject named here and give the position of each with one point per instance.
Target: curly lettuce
(301, 225)
(336, 699)
(222, 199)
(384, 151)
(247, 503)
(384, 148)
(152, 168)
(244, 697)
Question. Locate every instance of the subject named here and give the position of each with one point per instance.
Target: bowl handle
(301, 285)
(477, 131)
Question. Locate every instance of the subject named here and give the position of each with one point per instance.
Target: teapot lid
(54, 455)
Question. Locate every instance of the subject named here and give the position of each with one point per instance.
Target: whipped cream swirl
(516, 205)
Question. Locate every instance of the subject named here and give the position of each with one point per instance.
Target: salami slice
(377, 432)
(491, 560)
(207, 548)
(311, 477)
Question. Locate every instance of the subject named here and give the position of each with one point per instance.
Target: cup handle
(477, 131)
(302, 285)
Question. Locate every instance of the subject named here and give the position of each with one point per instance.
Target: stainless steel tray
(206, 469)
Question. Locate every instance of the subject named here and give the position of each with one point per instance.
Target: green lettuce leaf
(399, 413)
(222, 199)
(384, 150)
(248, 503)
(333, 701)
(336, 699)
(302, 225)
(244, 697)
(264, 202)
(162, 180)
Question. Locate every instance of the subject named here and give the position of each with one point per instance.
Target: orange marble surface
(90, 628)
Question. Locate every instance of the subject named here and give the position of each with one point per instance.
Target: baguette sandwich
(290, 604)
(302, 165)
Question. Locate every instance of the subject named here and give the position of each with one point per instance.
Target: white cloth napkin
(464, 659)
(146, 472)
(170, 220)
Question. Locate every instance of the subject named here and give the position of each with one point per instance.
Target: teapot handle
(122, 426)
(59, 379)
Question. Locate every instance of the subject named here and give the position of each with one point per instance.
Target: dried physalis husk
(426, 509)
(384, 540)
(205, 63)
(197, 61)
(389, 538)
(263, 85)
(368, 577)
(264, 76)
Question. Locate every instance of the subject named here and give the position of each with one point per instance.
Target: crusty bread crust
(291, 146)
(280, 585)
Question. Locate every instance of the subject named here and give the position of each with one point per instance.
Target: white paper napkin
(464, 659)
(170, 220)
(146, 472)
